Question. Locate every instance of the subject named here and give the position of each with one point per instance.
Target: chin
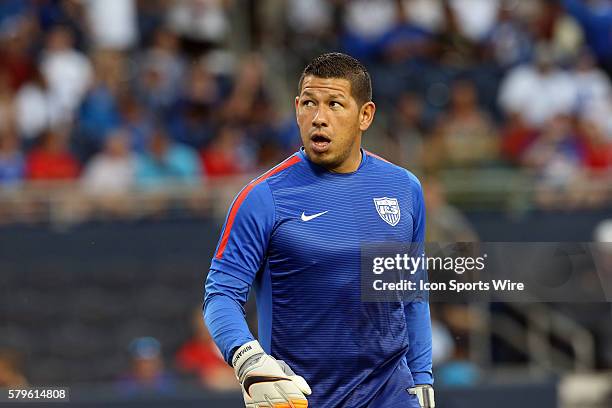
(327, 159)
(313, 155)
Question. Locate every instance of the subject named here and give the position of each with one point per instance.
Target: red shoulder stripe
(377, 156)
(242, 196)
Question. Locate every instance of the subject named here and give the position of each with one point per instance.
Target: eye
(335, 104)
(308, 103)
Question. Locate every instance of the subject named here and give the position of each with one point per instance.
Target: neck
(350, 165)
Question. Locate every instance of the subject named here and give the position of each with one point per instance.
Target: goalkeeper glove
(267, 382)
(425, 394)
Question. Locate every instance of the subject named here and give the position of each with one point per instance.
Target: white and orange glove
(267, 382)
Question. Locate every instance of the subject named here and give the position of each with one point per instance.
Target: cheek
(303, 122)
(347, 125)
(303, 117)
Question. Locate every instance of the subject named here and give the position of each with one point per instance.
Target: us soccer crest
(388, 209)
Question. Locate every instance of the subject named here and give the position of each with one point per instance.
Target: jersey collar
(321, 169)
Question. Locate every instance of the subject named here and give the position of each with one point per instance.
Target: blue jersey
(294, 234)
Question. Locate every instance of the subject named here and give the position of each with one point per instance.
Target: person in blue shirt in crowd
(294, 234)
(167, 163)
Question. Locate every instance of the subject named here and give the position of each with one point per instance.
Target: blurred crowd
(140, 94)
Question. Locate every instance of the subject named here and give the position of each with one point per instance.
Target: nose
(320, 118)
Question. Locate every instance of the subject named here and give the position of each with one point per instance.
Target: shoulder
(397, 175)
(261, 185)
(384, 166)
(281, 170)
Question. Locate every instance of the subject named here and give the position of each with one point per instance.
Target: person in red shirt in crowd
(517, 136)
(597, 149)
(52, 159)
(200, 356)
(226, 154)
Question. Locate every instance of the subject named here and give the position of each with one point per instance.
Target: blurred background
(127, 126)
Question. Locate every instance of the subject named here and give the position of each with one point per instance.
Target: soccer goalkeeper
(294, 233)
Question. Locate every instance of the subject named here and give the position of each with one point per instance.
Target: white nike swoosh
(313, 216)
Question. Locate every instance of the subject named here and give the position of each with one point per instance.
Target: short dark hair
(338, 65)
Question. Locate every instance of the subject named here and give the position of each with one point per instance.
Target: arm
(224, 311)
(418, 320)
(239, 256)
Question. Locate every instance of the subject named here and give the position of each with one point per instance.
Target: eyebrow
(331, 96)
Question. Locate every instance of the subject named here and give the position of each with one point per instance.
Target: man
(295, 234)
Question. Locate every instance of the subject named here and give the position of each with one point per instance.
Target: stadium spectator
(16, 38)
(459, 370)
(150, 15)
(200, 357)
(597, 164)
(160, 73)
(538, 91)
(202, 24)
(557, 158)
(98, 112)
(51, 159)
(12, 162)
(11, 370)
(111, 172)
(455, 49)
(167, 163)
(112, 23)
(248, 95)
(417, 47)
(12, 8)
(309, 27)
(516, 136)
(7, 104)
(598, 149)
(35, 110)
(426, 14)
(67, 71)
(562, 33)
(407, 133)
(249, 105)
(442, 342)
(226, 156)
(65, 13)
(147, 373)
(310, 18)
(193, 116)
(476, 17)
(136, 121)
(445, 223)
(594, 91)
(464, 135)
(404, 41)
(508, 41)
(365, 22)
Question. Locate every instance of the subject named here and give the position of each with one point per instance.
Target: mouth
(319, 142)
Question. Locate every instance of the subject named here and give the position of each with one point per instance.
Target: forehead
(317, 85)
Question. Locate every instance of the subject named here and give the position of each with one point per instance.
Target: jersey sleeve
(240, 254)
(418, 321)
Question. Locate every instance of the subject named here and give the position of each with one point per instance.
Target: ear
(366, 115)
(297, 106)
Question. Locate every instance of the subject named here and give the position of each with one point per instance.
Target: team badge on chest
(388, 209)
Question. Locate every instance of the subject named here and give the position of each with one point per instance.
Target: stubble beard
(333, 161)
